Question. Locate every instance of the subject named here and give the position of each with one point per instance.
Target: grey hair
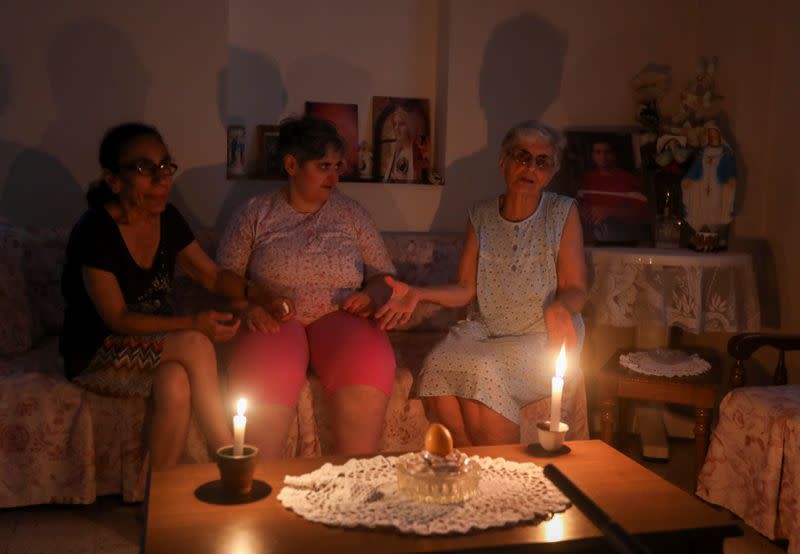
(533, 130)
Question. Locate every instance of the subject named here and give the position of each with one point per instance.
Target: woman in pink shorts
(322, 261)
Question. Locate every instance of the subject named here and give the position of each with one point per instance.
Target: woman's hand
(400, 307)
(559, 325)
(359, 303)
(217, 326)
(258, 319)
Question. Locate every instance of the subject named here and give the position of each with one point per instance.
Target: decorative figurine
(364, 160)
(709, 188)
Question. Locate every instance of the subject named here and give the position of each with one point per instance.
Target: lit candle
(239, 421)
(558, 387)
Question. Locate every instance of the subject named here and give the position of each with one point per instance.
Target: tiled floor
(110, 527)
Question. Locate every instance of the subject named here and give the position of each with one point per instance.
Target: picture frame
(345, 118)
(401, 139)
(270, 164)
(236, 165)
(602, 170)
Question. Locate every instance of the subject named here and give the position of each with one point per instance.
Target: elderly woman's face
(529, 166)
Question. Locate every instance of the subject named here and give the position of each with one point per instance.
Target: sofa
(62, 444)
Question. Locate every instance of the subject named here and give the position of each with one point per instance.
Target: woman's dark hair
(115, 143)
(307, 138)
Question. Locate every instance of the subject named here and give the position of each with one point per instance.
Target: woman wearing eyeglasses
(322, 254)
(120, 335)
(524, 274)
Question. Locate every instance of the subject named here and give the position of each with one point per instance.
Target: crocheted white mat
(364, 493)
(664, 363)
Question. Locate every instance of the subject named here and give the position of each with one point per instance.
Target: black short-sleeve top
(97, 242)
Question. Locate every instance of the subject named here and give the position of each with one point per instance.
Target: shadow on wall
(8, 150)
(520, 77)
(97, 81)
(252, 83)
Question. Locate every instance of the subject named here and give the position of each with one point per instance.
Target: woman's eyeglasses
(526, 159)
(147, 168)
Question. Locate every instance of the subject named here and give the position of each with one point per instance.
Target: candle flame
(241, 406)
(561, 362)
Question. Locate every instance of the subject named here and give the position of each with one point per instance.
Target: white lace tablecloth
(664, 363)
(363, 492)
(692, 290)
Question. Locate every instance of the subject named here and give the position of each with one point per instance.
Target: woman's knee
(270, 368)
(188, 345)
(349, 350)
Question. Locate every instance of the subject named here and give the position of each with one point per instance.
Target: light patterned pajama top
(316, 259)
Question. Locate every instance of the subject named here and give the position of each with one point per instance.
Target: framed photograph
(401, 137)
(345, 117)
(236, 165)
(270, 166)
(602, 170)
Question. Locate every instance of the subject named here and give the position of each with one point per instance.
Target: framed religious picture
(345, 117)
(236, 166)
(602, 170)
(270, 163)
(401, 137)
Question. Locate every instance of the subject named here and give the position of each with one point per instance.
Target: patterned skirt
(124, 365)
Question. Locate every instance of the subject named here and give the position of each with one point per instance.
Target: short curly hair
(308, 138)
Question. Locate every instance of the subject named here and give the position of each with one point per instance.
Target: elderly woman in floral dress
(524, 273)
(322, 259)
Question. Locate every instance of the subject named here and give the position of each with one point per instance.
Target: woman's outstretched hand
(217, 326)
(359, 303)
(400, 307)
(559, 325)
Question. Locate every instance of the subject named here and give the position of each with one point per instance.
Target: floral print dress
(498, 356)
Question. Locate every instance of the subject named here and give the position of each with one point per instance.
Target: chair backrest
(742, 346)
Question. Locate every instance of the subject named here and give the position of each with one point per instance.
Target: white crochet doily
(364, 493)
(664, 363)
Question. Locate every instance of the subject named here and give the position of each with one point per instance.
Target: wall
(68, 72)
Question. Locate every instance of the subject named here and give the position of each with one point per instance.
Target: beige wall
(67, 72)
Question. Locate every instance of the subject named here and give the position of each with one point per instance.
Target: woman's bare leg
(447, 411)
(168, 423)
(194, 351)
(357, 413)
(268, 428)
(486, 426)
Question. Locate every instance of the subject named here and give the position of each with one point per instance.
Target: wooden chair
(753, 463)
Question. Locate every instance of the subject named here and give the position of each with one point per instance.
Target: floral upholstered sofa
(62, 444)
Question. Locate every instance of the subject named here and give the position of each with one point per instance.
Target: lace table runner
(363, 492)
(664, 363)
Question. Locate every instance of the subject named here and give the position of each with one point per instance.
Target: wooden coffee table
(664, 517)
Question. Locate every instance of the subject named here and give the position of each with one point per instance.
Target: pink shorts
(342, 349)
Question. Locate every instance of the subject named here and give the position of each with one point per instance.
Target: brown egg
(438, 440)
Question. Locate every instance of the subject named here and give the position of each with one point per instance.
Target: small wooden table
(666, 518)
(698, 391)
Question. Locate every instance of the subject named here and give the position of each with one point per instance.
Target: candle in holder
(239, 421)
(558, 387)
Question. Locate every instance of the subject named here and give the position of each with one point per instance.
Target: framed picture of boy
(268, 151)
(602, 171)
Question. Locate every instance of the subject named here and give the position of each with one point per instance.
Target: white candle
(558, 387)
(239, 421)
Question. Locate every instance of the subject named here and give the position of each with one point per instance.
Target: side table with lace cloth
(653, 289)
(696, 291)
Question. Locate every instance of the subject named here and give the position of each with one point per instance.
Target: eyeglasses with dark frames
(524, 158)
(150, 169)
